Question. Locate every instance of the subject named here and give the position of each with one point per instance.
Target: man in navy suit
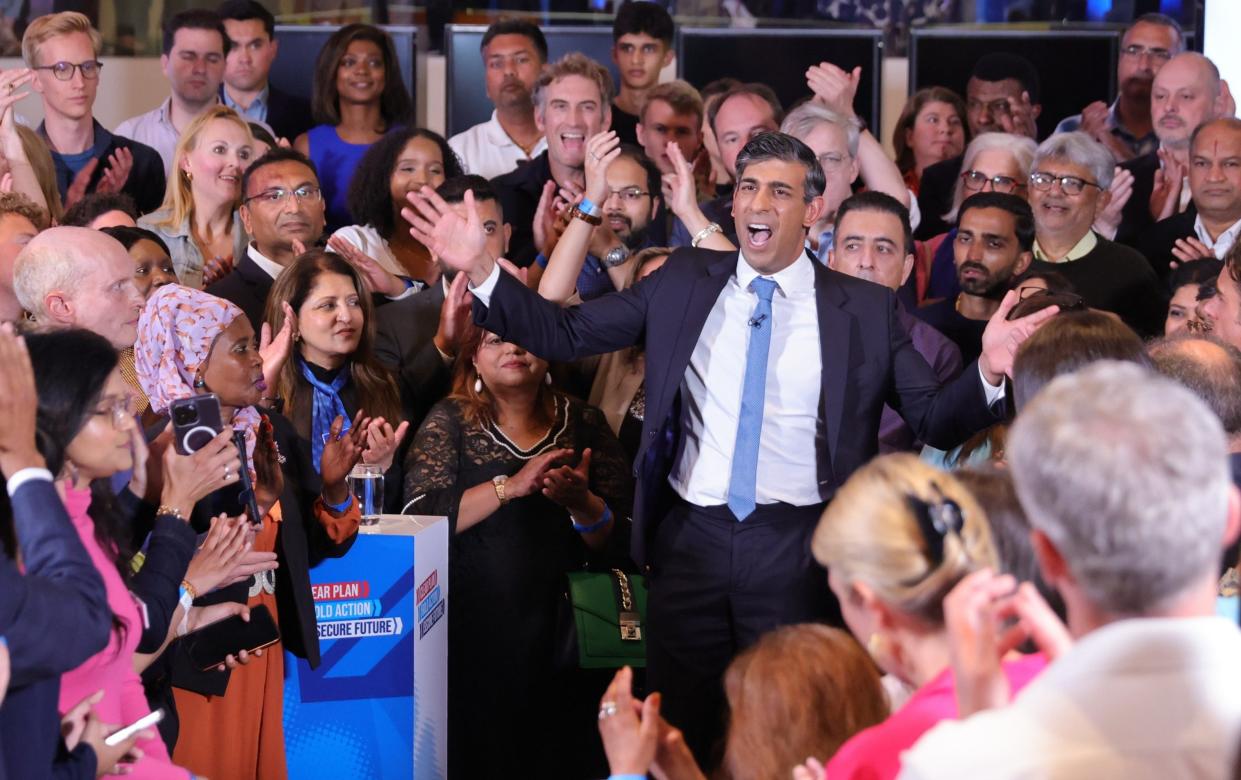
(246, 88)
(766, 375)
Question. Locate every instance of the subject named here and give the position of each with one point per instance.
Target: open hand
(1107, 221)
(275, 350)
(382, 442)
(1166, 192)
(529, 479)
(215, 562)
(1020, 119)
(834, 87)
(1003, 337)
(19, 402)
(216, 269)
(378, 278)
(601, 150)
(117, 173)
(460, 243)
(341, 453)
(1191, 248)
(455, 316)
(81, 181)
(629, 741)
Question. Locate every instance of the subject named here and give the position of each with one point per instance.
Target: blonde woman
(896, 539)
(198, 219)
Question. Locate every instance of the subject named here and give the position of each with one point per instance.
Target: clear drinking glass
(366, 482)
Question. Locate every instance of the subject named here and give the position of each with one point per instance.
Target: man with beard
(513, 52)
(591, 257)
(1125, 127)
(1069, 182)
(874, 241)
(994, 243)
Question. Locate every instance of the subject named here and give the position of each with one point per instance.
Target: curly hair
(369, 202)
(394, 104)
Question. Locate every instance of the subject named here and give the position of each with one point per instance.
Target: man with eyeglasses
(1125, 126)
(992, 246)
(195, 44)
(1068, 188)
(63, 50)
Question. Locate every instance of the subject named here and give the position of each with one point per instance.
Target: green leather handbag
(609, 614)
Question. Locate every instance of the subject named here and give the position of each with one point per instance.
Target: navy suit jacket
(867, 357)
(54, 617)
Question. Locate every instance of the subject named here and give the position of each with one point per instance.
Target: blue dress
(336, 160)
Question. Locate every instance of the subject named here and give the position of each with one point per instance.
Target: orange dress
(240, 736)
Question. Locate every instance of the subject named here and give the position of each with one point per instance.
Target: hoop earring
(478, 385)
(199, 384)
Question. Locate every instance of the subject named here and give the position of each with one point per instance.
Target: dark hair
(453, 189)
(1204, 270)
(70, 370)
(1056, 282)
(276, 154)
(261, 133)
(917, 101)
(195, 19)
(638, 155)
(753, 89)
(394, 104)
(639, 18)
(374, 384)
(95, 205)
(780, 146)
(1023, 215)
(516, 27)
(1066, 301)
(1069, 341)
(1215, 379)
(718, 87)
(370, 195)
(128, 236)
(1163, 20)
(1002, 65)
(993, 489)
(244, 11)
(873, 200)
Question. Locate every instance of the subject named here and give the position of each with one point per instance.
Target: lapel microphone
(757, 322)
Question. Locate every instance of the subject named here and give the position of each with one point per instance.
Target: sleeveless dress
(336, 160)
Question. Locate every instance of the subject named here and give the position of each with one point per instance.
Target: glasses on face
(629, 194)
(1136, 51)
(116, 410)
(278, 195)
(830, 161)
(63, 71)
(1070, 185)
(977, 180)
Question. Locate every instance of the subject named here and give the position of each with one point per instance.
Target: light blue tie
(753, 392)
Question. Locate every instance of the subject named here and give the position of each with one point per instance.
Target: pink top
(875, 753)
(112, 668)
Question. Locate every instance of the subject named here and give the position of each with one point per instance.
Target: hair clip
(935, 522)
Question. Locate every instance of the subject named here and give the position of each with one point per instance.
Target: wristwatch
(498, 484)
(615, 256)
(589, 219)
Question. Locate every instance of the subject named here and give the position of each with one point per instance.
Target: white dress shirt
(1154, 698)
(487, 151)
(711, 390)
(1220, 246)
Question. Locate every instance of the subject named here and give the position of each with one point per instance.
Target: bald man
(74, 277)
(1185, 93)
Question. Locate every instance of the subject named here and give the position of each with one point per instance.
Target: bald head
(73, 277)
(1186, 92)
(1211, 369)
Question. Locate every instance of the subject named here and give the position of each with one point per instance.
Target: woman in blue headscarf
(333, 371)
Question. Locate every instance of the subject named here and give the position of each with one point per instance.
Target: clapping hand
(19, 402)
(1166, 192)
(268, 475)
(341, 453)
(529, 479)
(217, 561)
(1191, 248)
(382, 442)
(378, 278)
(459, 242)
(275, 350)
(570, 486)
(117, 173)
(1020, 119)
(630, 735)
(1003, 337)
(455, 316)
(601, 150)
(1107, 220)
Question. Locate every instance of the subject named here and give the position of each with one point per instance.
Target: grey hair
(1020, 147)
(43, 267)
(1126, 473)
(1080, 149)
(802, 121)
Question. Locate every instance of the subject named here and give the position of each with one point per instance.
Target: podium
(376, 707)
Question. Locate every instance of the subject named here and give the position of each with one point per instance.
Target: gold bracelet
(164, 509)
(189, 589)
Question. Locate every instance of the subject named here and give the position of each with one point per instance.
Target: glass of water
(366, 482)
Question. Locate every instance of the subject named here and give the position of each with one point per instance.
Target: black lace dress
(512, 708)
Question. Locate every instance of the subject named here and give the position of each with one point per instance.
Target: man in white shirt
(514, 50)
(1124, 477)
(195, 44)
(766, 375)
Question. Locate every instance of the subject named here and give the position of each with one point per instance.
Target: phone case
(195, 422)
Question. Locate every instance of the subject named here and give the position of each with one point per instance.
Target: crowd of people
(926, 461)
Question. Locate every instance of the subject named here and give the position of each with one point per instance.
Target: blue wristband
(586, 206)
(585, 529)
(541, 260)
(626, 777)
(338, 508)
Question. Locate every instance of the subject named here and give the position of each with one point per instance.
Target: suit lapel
(835, 338)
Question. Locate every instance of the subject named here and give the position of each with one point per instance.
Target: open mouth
(617, 222)
(573, 140)
(758, 234)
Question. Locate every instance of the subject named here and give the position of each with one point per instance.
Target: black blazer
(287, 115)
(246, 285)
(867, 356)
(146, 179)
(935, 196)
(1135, 217)
(1156, 242)
(404, 331)
(519, 191)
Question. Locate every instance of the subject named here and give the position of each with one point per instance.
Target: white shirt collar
(1221, 245)
(269, 267)
(797, 277)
